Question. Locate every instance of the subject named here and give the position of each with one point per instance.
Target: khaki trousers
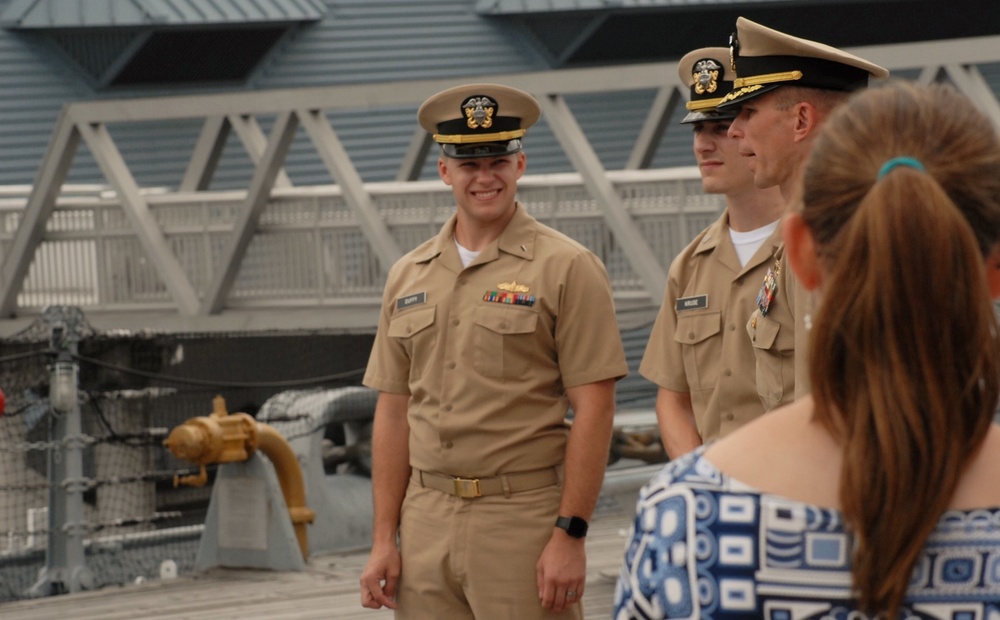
(475, 558)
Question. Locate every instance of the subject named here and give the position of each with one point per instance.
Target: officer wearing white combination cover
(699, 353)
(785, 88)
(488, 334)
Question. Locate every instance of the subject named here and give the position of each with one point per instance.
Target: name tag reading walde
(698, 302)
(411, 300)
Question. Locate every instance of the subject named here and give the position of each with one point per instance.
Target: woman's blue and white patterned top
(704, 545)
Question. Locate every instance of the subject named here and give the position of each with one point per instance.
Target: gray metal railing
(309, 249)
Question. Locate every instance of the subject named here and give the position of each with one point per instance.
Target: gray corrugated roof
(358, 41)
(510, 7)
(31, 14)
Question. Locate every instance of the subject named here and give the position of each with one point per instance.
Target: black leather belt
(504, 484)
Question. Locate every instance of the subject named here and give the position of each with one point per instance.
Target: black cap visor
(706, 116)
(481, 149)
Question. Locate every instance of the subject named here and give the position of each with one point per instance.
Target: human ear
(800, 248)
(807, 119)
(522, 164)
(443, 171)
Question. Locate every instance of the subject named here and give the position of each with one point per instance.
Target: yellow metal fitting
(216, 438)
(221, 437)
(195, 480)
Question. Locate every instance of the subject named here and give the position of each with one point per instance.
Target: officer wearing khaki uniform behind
(784, 90)
(488, 333)
(698, 352)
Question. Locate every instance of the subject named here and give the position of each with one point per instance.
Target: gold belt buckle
(467, 488)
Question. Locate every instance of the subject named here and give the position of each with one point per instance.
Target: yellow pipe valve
(222, 437)
(217, 438)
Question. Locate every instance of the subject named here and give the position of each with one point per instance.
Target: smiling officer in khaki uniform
(698, 353)
(488, 333)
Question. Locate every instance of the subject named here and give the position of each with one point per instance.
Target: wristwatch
(574, 526)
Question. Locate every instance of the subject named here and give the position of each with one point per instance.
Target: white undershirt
(747, 243)
(466, 255)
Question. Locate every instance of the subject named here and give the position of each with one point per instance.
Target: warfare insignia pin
(513, 287)
(479, 112)
(706, 76)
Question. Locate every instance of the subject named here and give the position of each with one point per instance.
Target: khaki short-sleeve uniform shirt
(779, 339)
(486, 352)
(699, 342)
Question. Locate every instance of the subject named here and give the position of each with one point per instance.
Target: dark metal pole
(65, 564)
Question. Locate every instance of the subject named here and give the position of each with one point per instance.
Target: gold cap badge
(706, 76)
(479, 112)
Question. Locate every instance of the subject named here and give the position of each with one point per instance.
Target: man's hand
(675, 417)
(380, 578)
(390, 473)
(561, 571)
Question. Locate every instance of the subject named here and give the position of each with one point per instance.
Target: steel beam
(653, 129)
(416, 156)
(110, 160)
(928, 75)
(574, 143)
(206, 154)
(41, 202)
(266, 172)
(338, 163)
(255, 143)
(970, 81)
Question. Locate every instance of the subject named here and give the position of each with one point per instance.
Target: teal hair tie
(895, 162)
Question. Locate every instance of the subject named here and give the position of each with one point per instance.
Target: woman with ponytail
(879, 495)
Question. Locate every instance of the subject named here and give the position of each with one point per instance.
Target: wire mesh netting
(133, 389)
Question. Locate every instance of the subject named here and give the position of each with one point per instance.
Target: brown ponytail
(904, 357)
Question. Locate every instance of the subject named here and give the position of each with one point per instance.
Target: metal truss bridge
(273, 256)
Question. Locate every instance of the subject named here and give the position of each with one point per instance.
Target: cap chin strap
(767, 78)
(468, 138)
(703, 104)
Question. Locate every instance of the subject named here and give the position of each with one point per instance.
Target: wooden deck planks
(327, 589)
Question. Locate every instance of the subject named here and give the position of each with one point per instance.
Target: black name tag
(698, 302)
(411, 300)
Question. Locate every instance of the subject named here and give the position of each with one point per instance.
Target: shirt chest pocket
(701, 346)
(505, 343)
(773, 348)
(414, 331)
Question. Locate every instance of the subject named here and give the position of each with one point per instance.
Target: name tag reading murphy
(411, 300)
(698, 302)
